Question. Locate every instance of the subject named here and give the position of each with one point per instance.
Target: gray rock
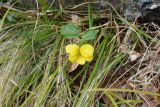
(144, 10)
(150, 12)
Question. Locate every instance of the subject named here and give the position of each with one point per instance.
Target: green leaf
(70, 31)
(90, 34)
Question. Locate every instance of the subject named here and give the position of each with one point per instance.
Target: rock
(144, 10)
(150, 12)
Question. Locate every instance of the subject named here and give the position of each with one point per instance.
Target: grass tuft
(35, 71)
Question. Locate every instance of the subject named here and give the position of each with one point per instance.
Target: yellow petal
(89, 59)
(72, 49)
(86, 50)
(72, 58)
(81, 60)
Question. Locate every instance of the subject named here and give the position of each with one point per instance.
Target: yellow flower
(80, 54)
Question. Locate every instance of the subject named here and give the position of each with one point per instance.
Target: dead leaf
(73, 67)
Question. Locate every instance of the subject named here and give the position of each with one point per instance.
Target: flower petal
(72, 58)
(81, 60)
(89, 59)
(86, 50)
(72, 49)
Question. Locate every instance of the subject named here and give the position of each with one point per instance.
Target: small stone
(123, 105)
(133, 55)
(74, 18)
